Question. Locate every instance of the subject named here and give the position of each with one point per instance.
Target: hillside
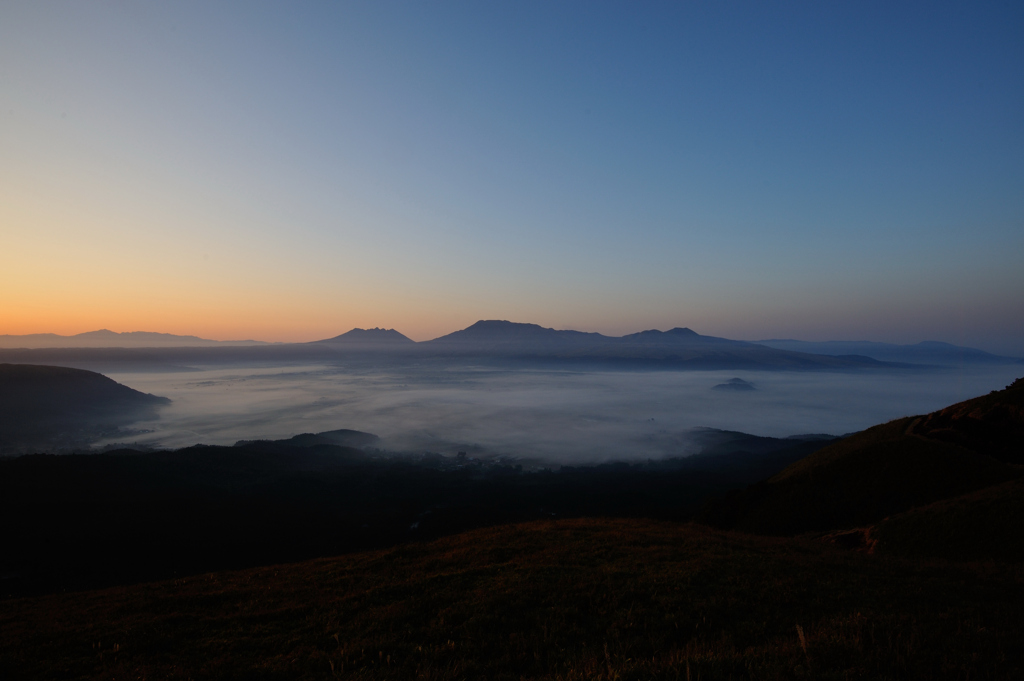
(887, 470)
(584, 599)
(46, 407)
(993, 424)
(204, 508)
(987, 524)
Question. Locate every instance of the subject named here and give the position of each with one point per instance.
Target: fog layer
(556, 416)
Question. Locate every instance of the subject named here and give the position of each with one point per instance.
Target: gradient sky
(287, 171)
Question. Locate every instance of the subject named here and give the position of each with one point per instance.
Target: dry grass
(584, 599)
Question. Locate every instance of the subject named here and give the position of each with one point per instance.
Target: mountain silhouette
(104, 338)
(925, 352)
(491, 340)
(493, 334)
(60, 408)
(677, 348)
(369, 338)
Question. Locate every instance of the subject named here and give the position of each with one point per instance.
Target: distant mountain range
(926, 352)
(504, 338)
(112, 339)
(678, 348)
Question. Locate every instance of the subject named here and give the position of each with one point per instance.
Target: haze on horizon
(287, 173)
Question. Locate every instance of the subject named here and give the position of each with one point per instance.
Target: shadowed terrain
(93, 520)
(943, 484)
(44, 408)
(580, 599)
(608, 581)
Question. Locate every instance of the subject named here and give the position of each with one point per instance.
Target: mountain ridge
(486, 340)
(105, 338)
(924, 352)
(372, 336)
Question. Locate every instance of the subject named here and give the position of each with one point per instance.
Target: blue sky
(288, 171)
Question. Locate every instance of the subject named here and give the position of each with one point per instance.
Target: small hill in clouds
(370, 338)
(735, 385)
(112, 339)
(55, 408)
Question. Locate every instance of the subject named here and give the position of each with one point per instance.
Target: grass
(859, 481)
(986, 524)
(579, 599)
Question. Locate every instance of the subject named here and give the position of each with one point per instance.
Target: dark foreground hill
(939, 484)
(987, 524)
(53, 408)
(83, 521)
(583, 599)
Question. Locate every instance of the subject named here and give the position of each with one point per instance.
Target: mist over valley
(556, 416)
(513, 390)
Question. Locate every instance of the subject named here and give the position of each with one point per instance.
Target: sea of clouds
(550, 415)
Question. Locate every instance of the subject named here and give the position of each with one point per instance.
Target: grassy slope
(984, 525)
(583, 599)
(92, 521)
(992, 423)
(859, 481)
(886, 470)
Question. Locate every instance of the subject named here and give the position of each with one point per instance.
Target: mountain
(369, 338)
(676, 336)
(678, 348)
(901, 467)
(499, 337)
(926, 352)
(486, 340)
(111, 339)
(58, 408)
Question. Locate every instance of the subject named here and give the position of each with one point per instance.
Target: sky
(288, 171)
